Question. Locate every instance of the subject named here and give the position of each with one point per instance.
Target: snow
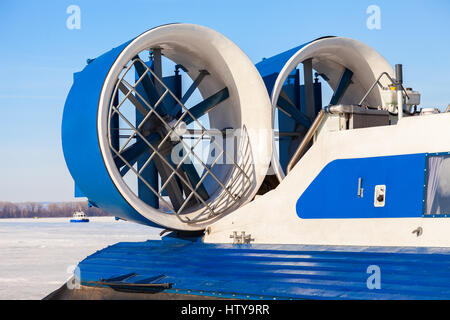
(38, 255)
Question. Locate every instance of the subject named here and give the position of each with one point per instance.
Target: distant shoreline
(56, 217)
(47, 210)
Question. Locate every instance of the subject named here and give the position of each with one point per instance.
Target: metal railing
(224, 192)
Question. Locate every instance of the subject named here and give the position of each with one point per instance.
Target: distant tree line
(47, 210)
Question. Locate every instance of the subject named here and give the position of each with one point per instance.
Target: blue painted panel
(269, 68)
(77, 192)
(80, 142)
(334, 192)
(269, 81)
(275, 271)
(275, 63)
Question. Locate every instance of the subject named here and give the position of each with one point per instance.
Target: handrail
(301, 148)
(313, 129)
(378, 82)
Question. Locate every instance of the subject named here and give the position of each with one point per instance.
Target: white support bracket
(242, 238)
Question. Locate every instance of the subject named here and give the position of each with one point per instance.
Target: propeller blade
(206, 105)
(286, 97)
(293, 112)
(132, 153)
(173, 189)
(133, 99)
(345, 81)
(194, 179)
(152, 93)
(146, 169)
(176, 108)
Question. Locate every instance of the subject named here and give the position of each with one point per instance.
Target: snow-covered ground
(36, 254)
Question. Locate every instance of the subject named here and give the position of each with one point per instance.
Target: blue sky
(39, 55)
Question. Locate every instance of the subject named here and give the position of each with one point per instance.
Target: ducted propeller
(175, 117)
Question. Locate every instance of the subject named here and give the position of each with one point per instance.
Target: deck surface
(272, 271)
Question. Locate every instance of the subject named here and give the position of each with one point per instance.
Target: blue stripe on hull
(276, 271)
(333, 194)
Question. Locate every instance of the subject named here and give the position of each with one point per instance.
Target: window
(437, 196)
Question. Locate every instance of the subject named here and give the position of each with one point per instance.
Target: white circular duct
(248, 108)
(331, 56)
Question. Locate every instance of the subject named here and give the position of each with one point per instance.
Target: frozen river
(36, 254)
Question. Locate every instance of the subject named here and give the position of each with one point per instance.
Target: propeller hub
(179, 128)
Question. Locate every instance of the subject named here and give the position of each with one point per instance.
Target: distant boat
(79, 216)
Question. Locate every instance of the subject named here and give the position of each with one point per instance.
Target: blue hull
(78, 220)
(270, 271)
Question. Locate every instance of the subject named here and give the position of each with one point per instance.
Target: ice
(36, 255)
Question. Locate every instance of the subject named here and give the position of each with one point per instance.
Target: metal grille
(226, 194)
